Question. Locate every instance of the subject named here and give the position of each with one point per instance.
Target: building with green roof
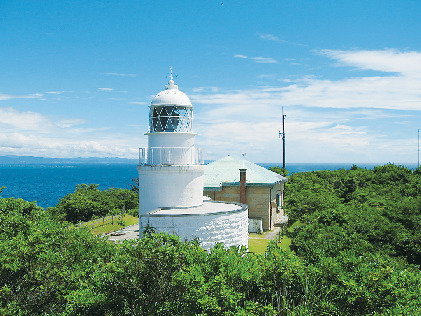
(235, 179)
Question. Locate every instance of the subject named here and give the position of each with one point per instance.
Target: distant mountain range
(22, 160)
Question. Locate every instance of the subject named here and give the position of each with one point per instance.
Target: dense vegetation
(356, 252)
(364, 226)
(89, 202)
(357, 210)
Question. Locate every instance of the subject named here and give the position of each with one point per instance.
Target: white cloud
(259, 60)
(31, 133)
(327, 120)
(138, 102)
(56, 92)
(389, 92)
(69, 123)
(10, 118)
(25, 144)
(310, 137)
(248, 120)
(264, 60)
(29, 96)
(270, 37)
(6, 96)
(119, 74)
(274, 38)
(390, 60)
(204, 89)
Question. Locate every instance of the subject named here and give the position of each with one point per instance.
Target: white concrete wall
(230, 228)
(168, 139)
(170, 186)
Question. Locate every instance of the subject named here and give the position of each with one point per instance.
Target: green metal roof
(226, 171)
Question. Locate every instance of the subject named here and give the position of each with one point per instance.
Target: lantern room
(171, 111)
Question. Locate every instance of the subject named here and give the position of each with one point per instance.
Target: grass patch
(258, 245)
(262, 235)
(108, 226)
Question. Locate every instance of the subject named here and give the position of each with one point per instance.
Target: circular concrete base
(212, 222)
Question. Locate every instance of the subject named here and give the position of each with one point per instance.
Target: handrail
(170, 156)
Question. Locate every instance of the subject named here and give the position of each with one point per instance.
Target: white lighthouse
(171, 172)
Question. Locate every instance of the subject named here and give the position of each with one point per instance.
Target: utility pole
(418, 148)
(283, 138)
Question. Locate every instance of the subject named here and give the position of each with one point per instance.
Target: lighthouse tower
(171, 172)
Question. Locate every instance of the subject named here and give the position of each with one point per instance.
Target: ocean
(47, 183)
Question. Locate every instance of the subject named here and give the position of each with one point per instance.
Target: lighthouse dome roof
(171, 96)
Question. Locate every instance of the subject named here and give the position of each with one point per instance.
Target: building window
(279, 200)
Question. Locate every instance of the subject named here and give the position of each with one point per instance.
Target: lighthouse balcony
(170, 156)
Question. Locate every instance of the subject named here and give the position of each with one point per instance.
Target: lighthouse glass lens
(170, 118)
(156, 125)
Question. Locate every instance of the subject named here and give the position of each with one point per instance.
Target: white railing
(171, 156)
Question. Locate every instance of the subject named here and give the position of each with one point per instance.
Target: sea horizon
(25, 160)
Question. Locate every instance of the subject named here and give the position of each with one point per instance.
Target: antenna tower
(283, 138)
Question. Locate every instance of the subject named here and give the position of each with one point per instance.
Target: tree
(279, 170)
(88, 202)
(135, 185)
(42, 261)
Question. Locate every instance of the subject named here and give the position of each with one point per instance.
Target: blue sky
(76, 77)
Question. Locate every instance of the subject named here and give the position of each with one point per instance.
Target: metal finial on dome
(171, 75)
(171, 85)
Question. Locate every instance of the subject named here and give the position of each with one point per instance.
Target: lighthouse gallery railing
(170, 156)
